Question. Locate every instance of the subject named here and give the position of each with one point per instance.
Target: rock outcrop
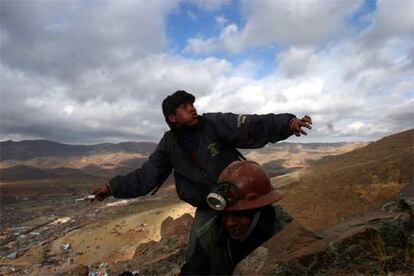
(164, 257)
(373, 243)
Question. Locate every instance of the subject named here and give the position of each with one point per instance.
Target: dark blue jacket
(219, 134)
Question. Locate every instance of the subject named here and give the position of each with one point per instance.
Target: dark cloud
(121, 105)
(63, 39)
(66, 70)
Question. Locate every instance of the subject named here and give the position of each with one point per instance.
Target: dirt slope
(360, 180)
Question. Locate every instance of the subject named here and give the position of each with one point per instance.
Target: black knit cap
(174, 100)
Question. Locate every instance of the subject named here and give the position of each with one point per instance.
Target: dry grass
(379, 250)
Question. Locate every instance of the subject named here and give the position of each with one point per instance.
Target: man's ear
(172, 118)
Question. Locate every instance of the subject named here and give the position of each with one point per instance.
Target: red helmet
(243, 185)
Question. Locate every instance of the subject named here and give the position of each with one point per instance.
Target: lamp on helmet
(221, 195)
(243, 185)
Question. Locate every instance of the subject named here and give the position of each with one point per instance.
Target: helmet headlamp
(221, 195)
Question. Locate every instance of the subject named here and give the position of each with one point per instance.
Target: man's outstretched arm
(255, 131)
(140, 181)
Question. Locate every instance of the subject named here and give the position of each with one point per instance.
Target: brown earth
(356, 181)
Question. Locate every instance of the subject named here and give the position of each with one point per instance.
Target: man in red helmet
(245, 219)
(197, 148)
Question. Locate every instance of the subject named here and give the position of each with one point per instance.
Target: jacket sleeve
(251, 131)
(143, 180)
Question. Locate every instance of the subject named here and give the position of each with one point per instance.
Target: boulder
(164, 257)
(374, 242)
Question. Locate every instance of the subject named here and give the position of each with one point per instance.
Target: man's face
(185, 115)
(237, 224)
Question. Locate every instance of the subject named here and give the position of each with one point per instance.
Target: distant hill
(38, 157)
(47, 159)
(16, 172)
(19, 170)
(355, 181)
(28, 149)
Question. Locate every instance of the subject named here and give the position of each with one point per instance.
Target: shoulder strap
(207, 233)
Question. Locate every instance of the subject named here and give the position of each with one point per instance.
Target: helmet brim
(247, 204)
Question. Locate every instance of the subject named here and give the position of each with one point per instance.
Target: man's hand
(296, 125)
(101, 192)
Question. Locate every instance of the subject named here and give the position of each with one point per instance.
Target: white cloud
(391, 19)
(228, 39)
(296, 61)
(62, 39)
(361, 129)
(68, 109)
(295, 22)
(210, 5)
(285, 22)
(402, 113)
(201, 45)
(221, 20)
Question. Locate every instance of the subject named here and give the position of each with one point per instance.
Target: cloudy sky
(96, 71)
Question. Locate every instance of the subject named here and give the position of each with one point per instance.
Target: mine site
(206, 137)
(347, 194)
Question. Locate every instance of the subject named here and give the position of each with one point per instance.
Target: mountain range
(33, 159)
(28, 149)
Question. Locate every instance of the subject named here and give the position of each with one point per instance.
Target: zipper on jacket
(230, 256)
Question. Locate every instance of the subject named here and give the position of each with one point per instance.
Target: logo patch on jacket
(212, 149)
(241, 119)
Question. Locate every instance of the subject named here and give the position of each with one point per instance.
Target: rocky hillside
(359, 180)
(376, 242)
